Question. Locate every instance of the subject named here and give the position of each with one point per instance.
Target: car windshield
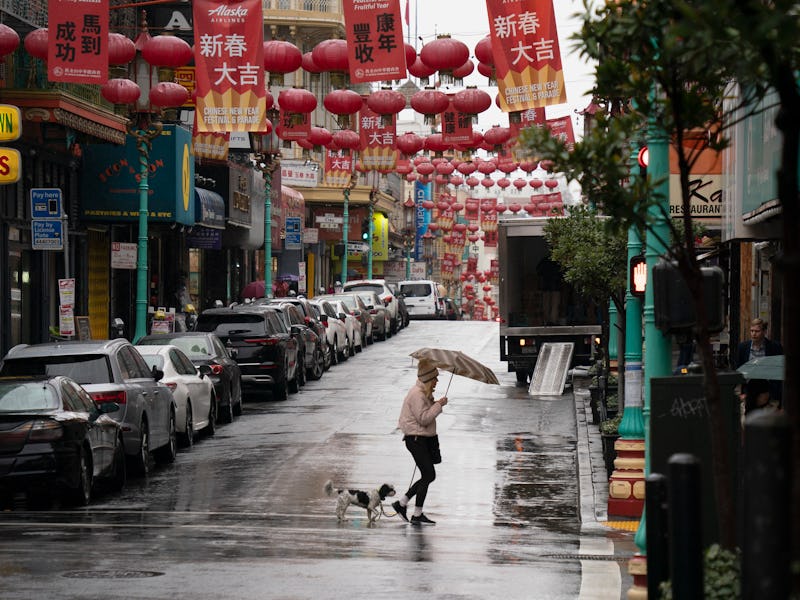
(83, 368)
(366, 287)
(195, 347)
(415, 290)
(232, 324)
(18, 397)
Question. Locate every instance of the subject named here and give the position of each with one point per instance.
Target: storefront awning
(209, 209)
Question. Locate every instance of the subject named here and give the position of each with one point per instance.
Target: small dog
(370, 500)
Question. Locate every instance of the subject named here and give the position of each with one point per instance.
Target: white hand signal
(640, 277)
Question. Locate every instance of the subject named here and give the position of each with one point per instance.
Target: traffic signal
(673, 304)
(638, 276)
(365, 229)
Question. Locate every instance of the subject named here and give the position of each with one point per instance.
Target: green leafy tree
(668, 67)
(592, 256)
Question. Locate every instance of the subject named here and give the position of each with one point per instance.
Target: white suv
(379, 287)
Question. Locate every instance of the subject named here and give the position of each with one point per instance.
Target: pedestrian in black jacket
(757, 346)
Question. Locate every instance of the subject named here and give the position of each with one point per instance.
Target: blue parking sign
(47, 234)
(46, 203)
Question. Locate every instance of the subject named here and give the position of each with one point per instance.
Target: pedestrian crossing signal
(638, 276)
(365, 229)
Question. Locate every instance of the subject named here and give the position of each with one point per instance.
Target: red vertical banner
(456, 127)
(293, 126)
(489, 222)
(229, 65)
(562, 128)
(374, 40)
(526, 52)
(377, 141)
(338, 168)
(77, 50)
(528, 118)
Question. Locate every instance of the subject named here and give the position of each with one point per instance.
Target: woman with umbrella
(418, 424)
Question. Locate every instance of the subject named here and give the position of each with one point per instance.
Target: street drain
(113, 574)
(621, 559)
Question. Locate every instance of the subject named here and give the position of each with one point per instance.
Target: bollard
(685, 527)
(655, 498)
(766, 550)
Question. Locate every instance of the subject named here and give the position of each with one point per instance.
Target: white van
(422, 298)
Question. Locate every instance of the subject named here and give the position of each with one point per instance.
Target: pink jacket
(419, 412)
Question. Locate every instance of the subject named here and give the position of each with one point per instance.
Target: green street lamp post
(346, 223)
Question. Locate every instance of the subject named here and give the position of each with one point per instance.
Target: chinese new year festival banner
(526, 52)
(77, 51)
(374, 40)
(229, 59)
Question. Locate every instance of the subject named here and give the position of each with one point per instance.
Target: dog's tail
(328, 489)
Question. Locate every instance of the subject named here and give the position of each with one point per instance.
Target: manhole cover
(110, 574)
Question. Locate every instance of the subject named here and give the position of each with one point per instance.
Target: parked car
(195, 399)
(451, 311)
(261, 344)
(310, 355)
(421, 298)
(360, 311)
(386, 295)
(111, 371)
(204, 348)
(351, 324)
(55, 439)
(335, 329)
(311, 318)
(381, 319)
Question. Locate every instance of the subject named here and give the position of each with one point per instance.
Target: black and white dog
(370, 500)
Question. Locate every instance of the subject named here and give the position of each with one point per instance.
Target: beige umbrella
(457, 363)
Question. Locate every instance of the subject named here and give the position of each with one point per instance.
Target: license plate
(528, 350)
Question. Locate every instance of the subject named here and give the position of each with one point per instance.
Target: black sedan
(204, 348)
(55, 438)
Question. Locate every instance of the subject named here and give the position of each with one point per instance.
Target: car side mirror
(231, 350)
(342, 317)
(323, 319)
(107, 407)
(157, 373)
(204, 370)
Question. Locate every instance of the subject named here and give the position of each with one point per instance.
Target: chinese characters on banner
(526, 52)
(456, 127)
(528, 118)
(449, 261)
(293, 126)
(494, 269)
(562, 128)
(229, 59)
(338, 168)
(489, 222)
(77, 51)
(374, 40)
(377, 141)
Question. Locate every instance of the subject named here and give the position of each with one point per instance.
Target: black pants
(419, 448)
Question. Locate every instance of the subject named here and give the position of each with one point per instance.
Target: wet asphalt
(243, 514)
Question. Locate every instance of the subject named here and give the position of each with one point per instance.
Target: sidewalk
(592, 476)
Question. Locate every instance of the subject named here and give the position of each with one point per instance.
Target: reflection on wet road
(243, 514)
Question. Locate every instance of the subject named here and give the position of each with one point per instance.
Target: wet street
(243, 514)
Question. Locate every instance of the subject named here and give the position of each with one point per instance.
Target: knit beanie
(426, 372)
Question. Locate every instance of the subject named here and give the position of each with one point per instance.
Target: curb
(592, 476)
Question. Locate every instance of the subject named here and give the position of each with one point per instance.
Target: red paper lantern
(343, 103)
(441, 179)
(167, 51)
(443, 205)
(411, 54)
(472, 227)
(168, 94)
(444, 54)
(404, 168)
(425, 168)
(463, 72)
(456, 179)
(120, 91)
(409, 143)
(121, 49)
(297, 100)
(435, 143)
(487, 167)
(551, 183)
(487, 288)
(430, 103)
(386, 103)
(460, 227)
(445, 168)
(457, 206)
(9, 40)
(529, 208)
(483, 51)
(467, 168)
(536, 183)
(471, 101)
(473, 238)
(269, 101)
(528, 165)
(514, 207)
(503, 183)
(307, 144)
(428, 204)
(36, 43)
(519, 183)
(348, 139)
(472, 182)
(308, 64)
(488, 71)
(547, 164)
(418, 160)
(281, 57)
(487, 182)
(331, 55)
(411, 177)
(433, 227)
(421, 71)
(507, 166)
(319, 136)
(500, 207)
(497, 136)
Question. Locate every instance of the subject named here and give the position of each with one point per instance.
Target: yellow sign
(10, 165)
(10, 123)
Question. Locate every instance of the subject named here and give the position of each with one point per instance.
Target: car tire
(187, 438)
(211, 428)
(335, 351)
(237, 404)
(167, 453)
(280, 391)
(327, 355)
(294, 382)
(300, 374)
(317, 365)
(344, 352)
(226, 412)
(119, 471)
(82, 494)
(143, 461)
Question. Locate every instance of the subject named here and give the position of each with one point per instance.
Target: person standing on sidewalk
(418, 424)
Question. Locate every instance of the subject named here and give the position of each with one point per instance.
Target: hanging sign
(456, 126)
(338, 168)
(377, 141)
(526, 52)
(375, 47)
(229, 60)
(77, 49)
